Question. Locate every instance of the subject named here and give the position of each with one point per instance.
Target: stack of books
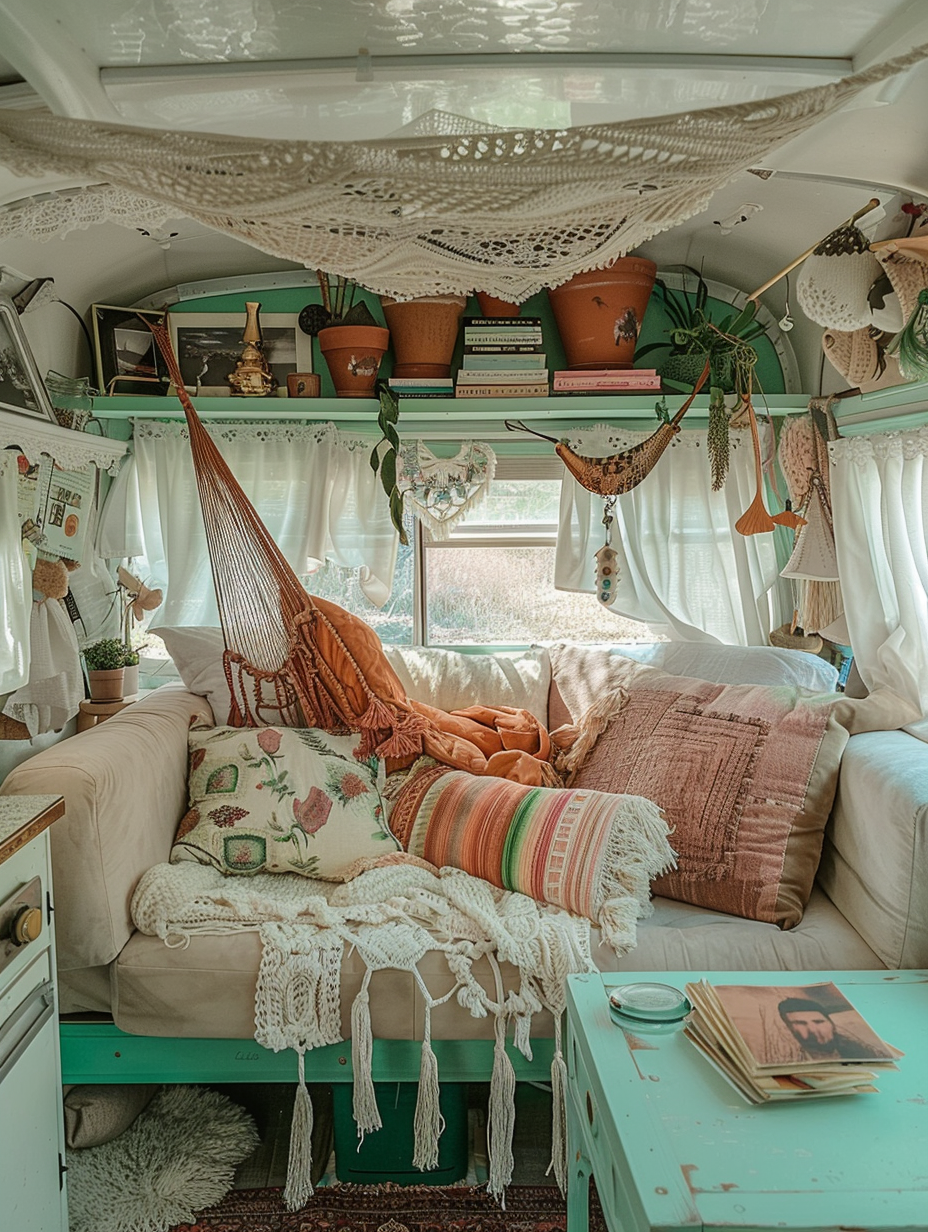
(606, 380)
(422, 386)
(786, 1042)
(503, 358)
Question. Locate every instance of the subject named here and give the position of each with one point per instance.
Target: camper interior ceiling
(603, 637)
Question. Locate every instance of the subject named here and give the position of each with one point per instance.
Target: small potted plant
(350, 338)
(105, 662)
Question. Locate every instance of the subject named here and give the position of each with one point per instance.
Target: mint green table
(671, 1145)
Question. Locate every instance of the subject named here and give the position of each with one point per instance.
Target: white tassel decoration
(428, 1123)
(559, 1112)
(366, 1112)
(501, 1116)
(299, 1166)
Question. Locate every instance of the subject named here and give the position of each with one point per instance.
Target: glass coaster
(648, 1006)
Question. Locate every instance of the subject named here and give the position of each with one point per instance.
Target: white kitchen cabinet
(33, 1192)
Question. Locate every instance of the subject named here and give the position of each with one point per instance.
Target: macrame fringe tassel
(366, 1112)
(558, 1163)
(501, 1116)
(820, 604)
(428, 1123)
(406, 737)
(299, 1187)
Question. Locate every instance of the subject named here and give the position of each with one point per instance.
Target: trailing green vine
(384, 455)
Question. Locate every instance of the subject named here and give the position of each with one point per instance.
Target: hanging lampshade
(835, 280)
(814, 557)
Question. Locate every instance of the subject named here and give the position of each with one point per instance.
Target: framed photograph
(127, 359)
(22, 390)
(208, 346)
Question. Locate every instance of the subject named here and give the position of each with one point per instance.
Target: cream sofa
(124, 784)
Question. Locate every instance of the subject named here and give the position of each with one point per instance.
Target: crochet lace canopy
(508, 211)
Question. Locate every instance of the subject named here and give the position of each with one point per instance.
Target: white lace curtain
(312, 486)
(15, 583)
(684, 570)
(879, 492)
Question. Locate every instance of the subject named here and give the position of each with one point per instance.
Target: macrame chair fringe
(416, 215)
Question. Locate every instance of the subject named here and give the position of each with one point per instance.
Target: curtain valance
(504, 211)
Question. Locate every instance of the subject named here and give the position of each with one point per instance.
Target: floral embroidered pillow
(281, 800)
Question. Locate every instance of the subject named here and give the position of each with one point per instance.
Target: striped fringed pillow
(591, 852)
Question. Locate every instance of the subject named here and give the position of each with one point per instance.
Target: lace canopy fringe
(505, 211)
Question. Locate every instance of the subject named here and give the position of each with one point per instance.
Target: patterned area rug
(394, 1208)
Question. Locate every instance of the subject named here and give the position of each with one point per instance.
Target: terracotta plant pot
(353, 354)
(490, 306)
(424, 332)
(106, 686)
(599, 313)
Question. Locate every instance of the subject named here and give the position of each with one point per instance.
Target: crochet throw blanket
(392, 916)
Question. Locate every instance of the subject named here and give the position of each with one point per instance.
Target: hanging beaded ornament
(607, 566)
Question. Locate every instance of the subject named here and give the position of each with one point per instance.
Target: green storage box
(387, 1154)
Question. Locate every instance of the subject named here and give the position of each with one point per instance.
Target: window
(491, 581)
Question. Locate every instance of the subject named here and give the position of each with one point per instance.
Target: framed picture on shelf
(208, 346)
(22, 389)
(127, 359)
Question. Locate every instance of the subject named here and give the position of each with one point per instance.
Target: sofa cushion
(450, 680)
(278, 800)
(590, 852)
(581, 674)
(95, 1113)
(445, 679)
(746, 775)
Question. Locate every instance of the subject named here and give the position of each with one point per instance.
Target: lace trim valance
(257, 433)
(508, 212)
(864, 449)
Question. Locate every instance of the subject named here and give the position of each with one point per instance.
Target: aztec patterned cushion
(281, 800)
(590, 852)
(746, 776)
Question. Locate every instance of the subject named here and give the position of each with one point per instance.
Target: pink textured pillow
(745, 774)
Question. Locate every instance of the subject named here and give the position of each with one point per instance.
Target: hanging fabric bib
(441, 490)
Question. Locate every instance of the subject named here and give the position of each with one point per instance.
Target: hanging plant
(384, 455)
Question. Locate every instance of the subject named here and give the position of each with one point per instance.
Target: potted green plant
(693, 339)
(105, 661)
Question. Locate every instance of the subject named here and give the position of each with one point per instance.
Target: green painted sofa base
(100, 1052)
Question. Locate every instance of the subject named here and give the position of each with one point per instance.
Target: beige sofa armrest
(874, 863)
(124, 783)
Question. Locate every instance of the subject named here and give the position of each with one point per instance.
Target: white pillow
(442, 678)
(197, 653)
(730, 664)
(451, 680)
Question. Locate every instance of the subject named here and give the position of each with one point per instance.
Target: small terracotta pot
(490, 306)
(304, 384)
(106, 686)
(599, 313)
(424, 332)
(353, 354)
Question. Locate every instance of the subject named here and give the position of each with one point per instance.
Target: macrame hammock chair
(443, 206)
(290, 658)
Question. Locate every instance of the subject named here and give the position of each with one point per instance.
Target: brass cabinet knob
(26, 925)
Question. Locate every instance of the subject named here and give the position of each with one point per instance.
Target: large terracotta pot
(599, 313)
(490, 306)
(353, 354)
(423, 332)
